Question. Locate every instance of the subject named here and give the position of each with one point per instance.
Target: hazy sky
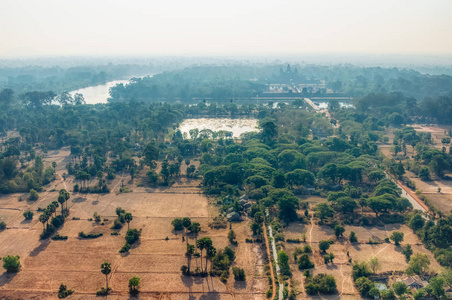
(191, 27)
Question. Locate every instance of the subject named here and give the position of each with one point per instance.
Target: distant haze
(132, 27)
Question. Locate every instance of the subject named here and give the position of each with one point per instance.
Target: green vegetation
(11, 263)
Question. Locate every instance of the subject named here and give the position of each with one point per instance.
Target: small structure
(233, 217)
(414, 282)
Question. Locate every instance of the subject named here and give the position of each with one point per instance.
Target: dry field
(442, 200)
(157, 261)
(389, 255)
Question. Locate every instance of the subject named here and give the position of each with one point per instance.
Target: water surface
(236, 126)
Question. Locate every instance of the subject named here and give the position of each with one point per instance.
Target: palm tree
(55, 204)
(61, 200)
(200, 246)
(43, 219)
(190, 252)
(105, 268)
(128, 217)
(210, 253)
(204, 243)
(195, 227)
(208, 246)
(187, 223)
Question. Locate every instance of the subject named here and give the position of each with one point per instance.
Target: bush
(132, 236)
(2, 225)
(103, 291)
(134, 282)
(33, 195)
(239, 274)
(353, 238)
(125, 248)
(324, 245)
(115, 233)
(63, 292)
(116, 224)
(83, 235)
(296, 241)
(11, 263)
(28, 215)
(178, 224)
(58, 237)
(304, 262)
(322, 283)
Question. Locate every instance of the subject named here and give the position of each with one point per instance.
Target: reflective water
(98, 93)
(236, 126)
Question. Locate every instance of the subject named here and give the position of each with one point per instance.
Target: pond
(236, 126)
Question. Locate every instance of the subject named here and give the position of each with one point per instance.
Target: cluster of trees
(49, 218)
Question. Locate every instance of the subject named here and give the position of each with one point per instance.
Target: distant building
(414, 282)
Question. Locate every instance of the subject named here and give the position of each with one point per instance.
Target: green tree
(436, 286)
(134, 282)
(323, 211)
(374, 264)
(28, 215)
(128, 217)
(407, 251)
(339, 230)
(397, 237)
(177, 224)
(418, 263)
(400, 288)
(11, 263)
(304, 262)
(105, 268)
(231, 237)
(353, 238)
(33, 195)
(195, 228)
(186, 222)
(324, 245)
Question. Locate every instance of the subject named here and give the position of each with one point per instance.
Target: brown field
(389, 255)
(76, 262)
(443, 200)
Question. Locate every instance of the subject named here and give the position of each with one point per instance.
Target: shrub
(307, 249)
(116, 224)
(364, 285)
(304, 262)
(239, 274)
(178, 224)
(33, 195)
(83, 235)
(96, 217)
(296, 241)
(28, 215)
(322, 283)
(11, 263)
(58, 237)
(353, 238)
(2, 225)
(132, 236)
(125, 248)
(115, 233)
(103, 291)
(63, 292)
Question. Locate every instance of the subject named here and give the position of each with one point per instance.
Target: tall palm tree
(200, 246)
(210, 253)
(195, 227)
(128, 217)
(105, 268)
(190, 252)
(61, 200)
(187, 223)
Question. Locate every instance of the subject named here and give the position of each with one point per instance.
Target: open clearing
(157, 261)
(389, 255)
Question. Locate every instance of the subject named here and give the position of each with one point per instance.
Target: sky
(199, 27)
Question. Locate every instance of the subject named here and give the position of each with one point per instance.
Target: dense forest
(243, 82)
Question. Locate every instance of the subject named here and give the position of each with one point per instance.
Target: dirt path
(267, 244)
